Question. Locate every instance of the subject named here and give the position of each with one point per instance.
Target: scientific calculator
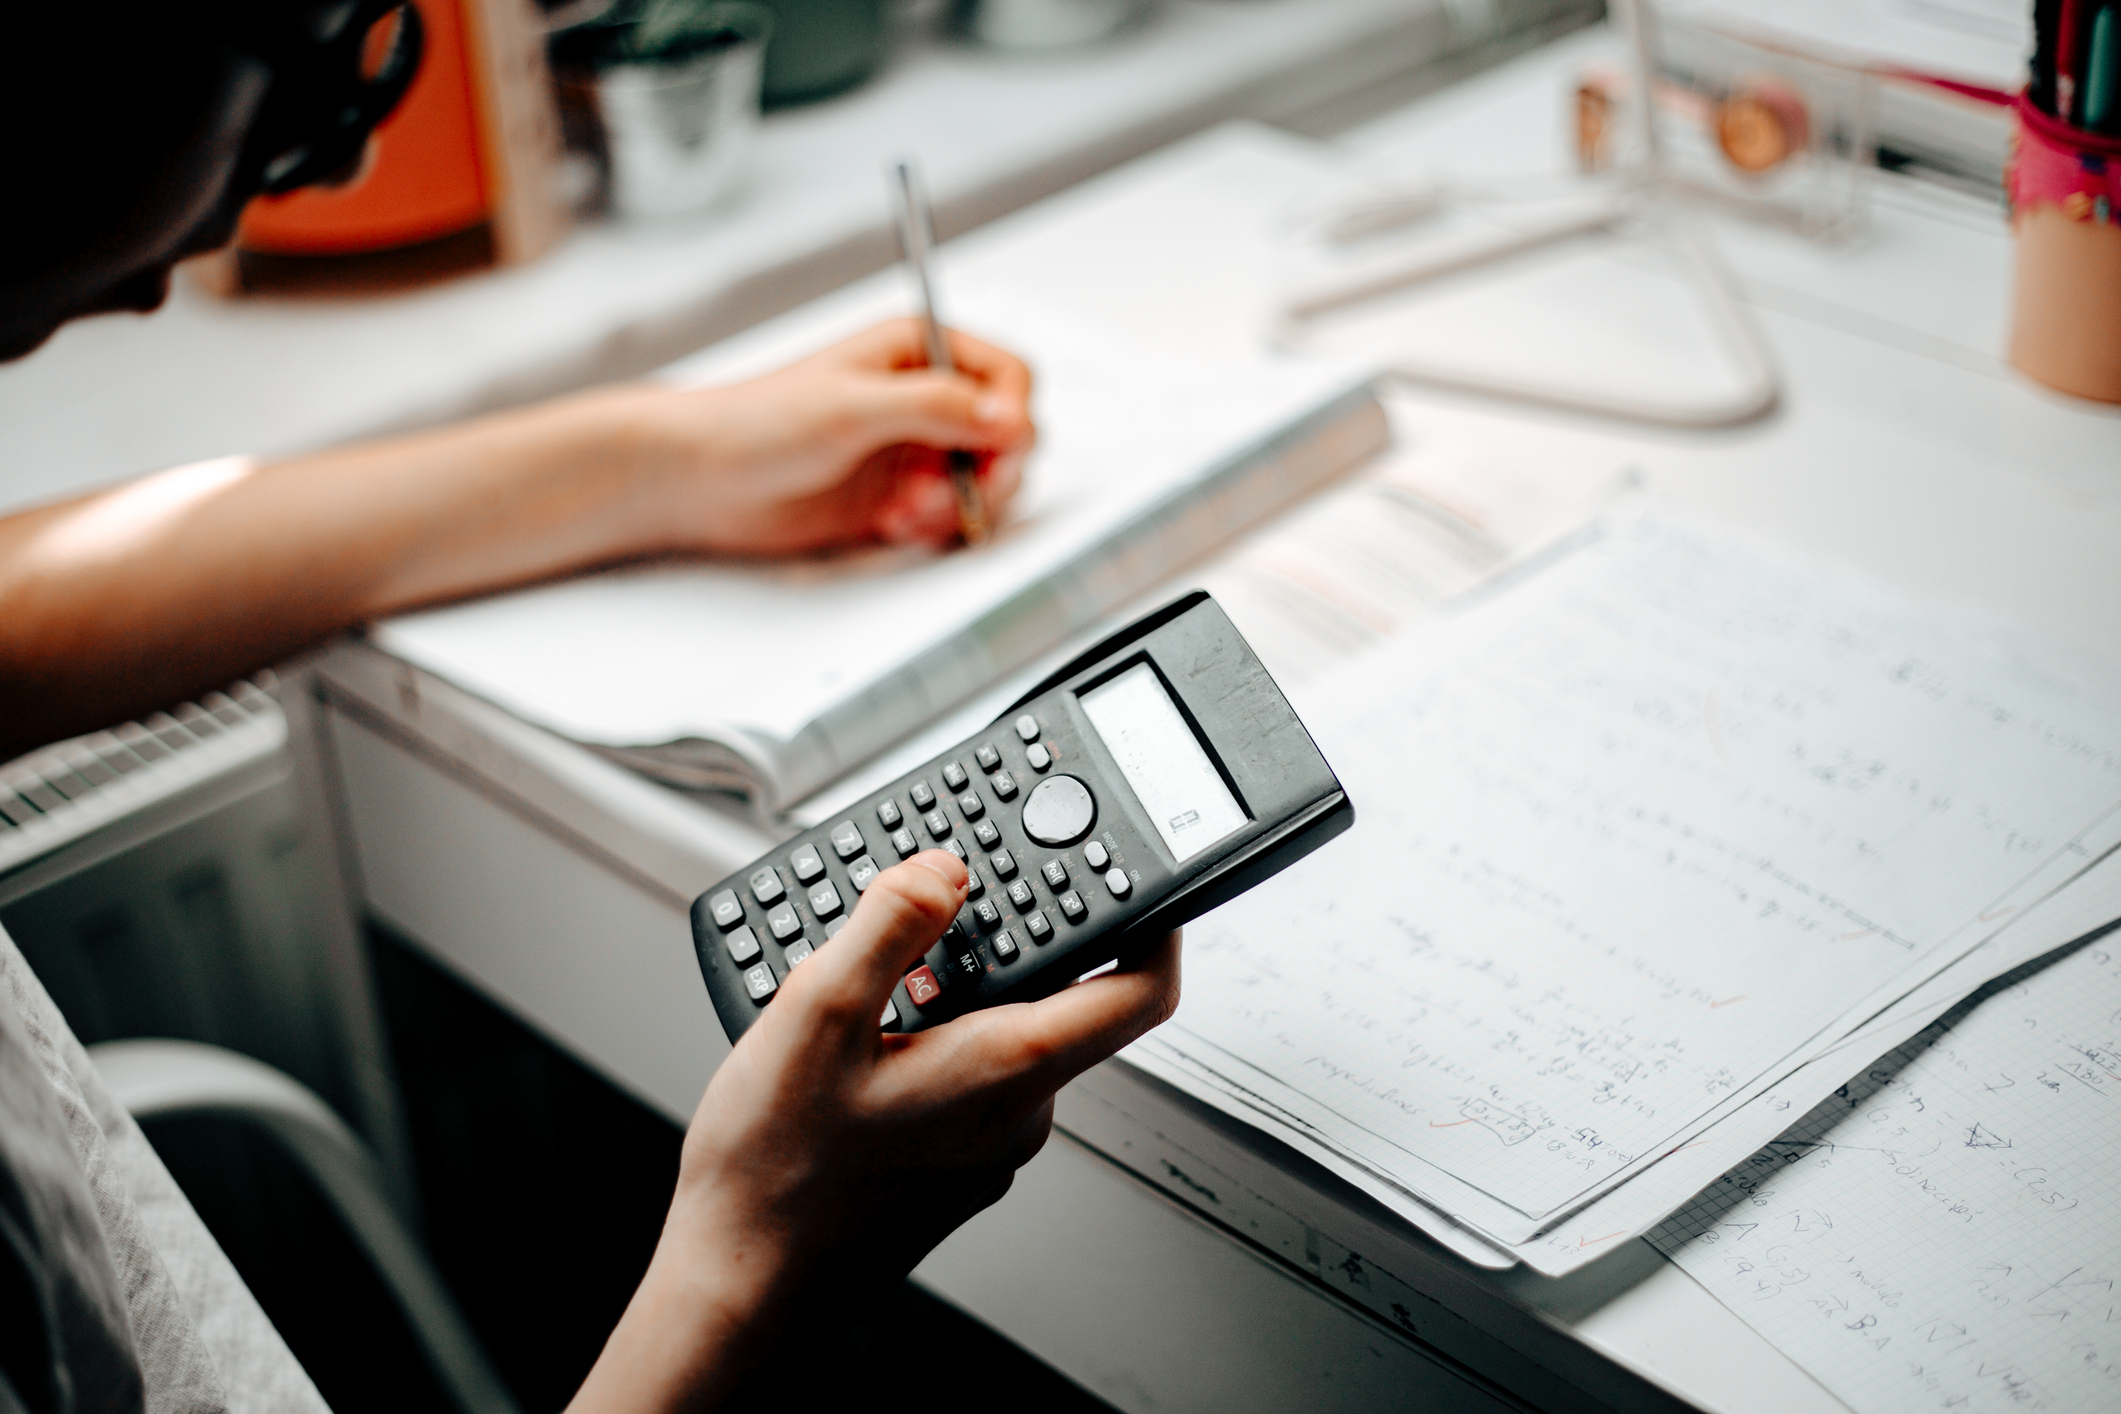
(1155, 776)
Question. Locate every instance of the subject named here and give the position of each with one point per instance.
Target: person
(822, 1152)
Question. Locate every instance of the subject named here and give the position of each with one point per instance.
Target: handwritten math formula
(1945, 1233)
(1623, 846)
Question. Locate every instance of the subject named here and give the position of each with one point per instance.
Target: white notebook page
(1943, 1235)
(659, 653)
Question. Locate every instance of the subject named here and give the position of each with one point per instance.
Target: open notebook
(769, 680)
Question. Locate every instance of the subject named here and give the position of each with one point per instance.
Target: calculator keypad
(803, 898)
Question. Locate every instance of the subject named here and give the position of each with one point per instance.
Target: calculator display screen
(1162, 759)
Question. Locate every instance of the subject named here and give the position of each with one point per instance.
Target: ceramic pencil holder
(2065, 198)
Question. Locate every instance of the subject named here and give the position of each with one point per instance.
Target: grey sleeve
(202, 1342)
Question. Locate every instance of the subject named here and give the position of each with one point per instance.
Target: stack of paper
(1649, 850)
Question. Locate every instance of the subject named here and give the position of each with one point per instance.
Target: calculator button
(743, 946)
(1004, 785)
(938, 824)
(923, 795)
(862, 873)
(957, 847)
(974, 885)
(727, 908)
(988, 758)
(1038, 756)
(796, 951)
(1020, 894)
(987, 835)
(890, 1017)
(1004, 863)
(888, 815)
(921, 987)
(1036, 925)
(988, 915)
(1059, 811)
(832, 929)
(782, 920)
(954, 776)
(1004, 945)
(1117, 881)
(1056, 874)
(806, 863)
(1071, 904)
(1095, 856)
(824, 899)
(971, 806)
(1027, 727)
(847, 840)
(904, 843)
(758, 981)
(765, 884)
(965, 968)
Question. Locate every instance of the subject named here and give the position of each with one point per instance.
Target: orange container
(425, 176)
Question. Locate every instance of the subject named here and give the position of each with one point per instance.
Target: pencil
(916, 230)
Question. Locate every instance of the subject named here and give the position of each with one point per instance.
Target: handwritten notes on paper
(1627, 841)
(1943, 1233)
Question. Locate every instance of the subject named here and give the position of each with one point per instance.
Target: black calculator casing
(1291, 799)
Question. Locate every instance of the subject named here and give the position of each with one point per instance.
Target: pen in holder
(2065, 196)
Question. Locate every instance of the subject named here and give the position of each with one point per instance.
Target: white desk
(118, 396)
(1157, 1254)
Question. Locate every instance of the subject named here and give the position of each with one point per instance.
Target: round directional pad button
(1059, 810)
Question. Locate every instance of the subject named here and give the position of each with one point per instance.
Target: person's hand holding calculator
(829, 1157)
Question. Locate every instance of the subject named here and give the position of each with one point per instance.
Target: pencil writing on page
(916, 229)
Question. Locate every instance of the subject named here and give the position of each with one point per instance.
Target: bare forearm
(130, 599)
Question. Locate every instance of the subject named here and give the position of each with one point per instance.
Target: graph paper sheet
(1944, 1235)
(1672, 815)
